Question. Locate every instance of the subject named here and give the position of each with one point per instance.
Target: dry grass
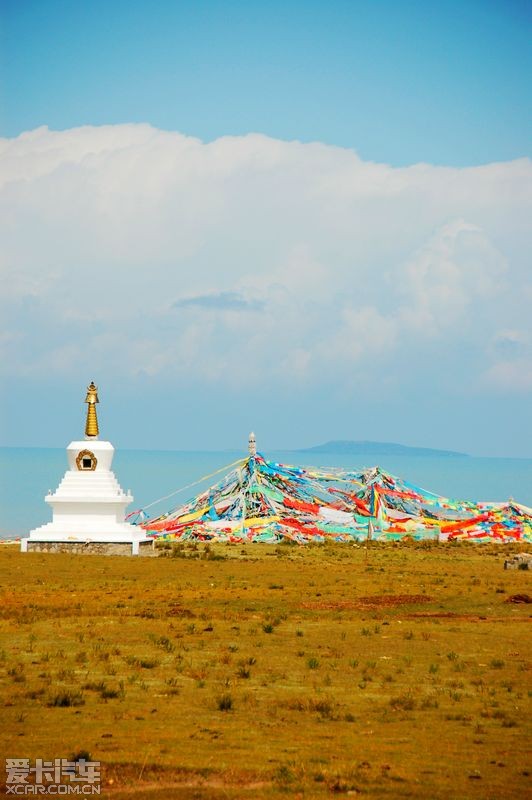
(263, 671)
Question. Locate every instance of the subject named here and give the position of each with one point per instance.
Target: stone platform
(142, 548)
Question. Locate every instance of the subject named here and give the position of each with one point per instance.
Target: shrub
(313, 663)
(148, 663)
(284, 774)
(403, 702)
(95, 686)
(225, 702)
(323, 706)
(81, 658)
(243, 671)
(452, 656)
(67, 699)
(17, 673)
(165, 643)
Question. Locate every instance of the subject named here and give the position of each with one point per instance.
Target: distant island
(348, 448)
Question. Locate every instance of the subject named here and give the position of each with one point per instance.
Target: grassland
(259, 672)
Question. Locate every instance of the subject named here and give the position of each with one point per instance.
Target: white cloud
(253, 259)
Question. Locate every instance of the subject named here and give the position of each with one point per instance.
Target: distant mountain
(378, 449)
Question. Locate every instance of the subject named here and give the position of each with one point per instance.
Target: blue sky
(310, 219)
(400, 81)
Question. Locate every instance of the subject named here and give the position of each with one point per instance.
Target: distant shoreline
(362, 449)
(353, 448)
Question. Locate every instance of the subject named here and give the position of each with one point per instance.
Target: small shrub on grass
(496, 663)
(81, 658)
(17, 673)
(34, 694)
(284, 774)
(268, 627)
(403, 702)
(65, 675)
(165, 643)
(148, 663)
(67, 699)
(110, 694)
(323, 707)
(95, 686)
(224, 702)
(313, 663)
(104, 655)
(243, 671)
(452, 656)
(428, 702)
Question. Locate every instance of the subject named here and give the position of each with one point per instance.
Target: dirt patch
(211, 789)
(519, 598)
(180, 611)
(387, 600)
(132, 779)
(461, 617)
(373, 601)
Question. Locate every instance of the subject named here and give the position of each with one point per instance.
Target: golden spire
(91, 426)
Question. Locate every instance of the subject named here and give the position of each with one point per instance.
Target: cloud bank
(249, 259)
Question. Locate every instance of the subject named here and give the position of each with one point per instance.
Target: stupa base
(144, 547)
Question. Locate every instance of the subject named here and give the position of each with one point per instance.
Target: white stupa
(89, 505)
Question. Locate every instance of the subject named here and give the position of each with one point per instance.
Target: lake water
(26, 475)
